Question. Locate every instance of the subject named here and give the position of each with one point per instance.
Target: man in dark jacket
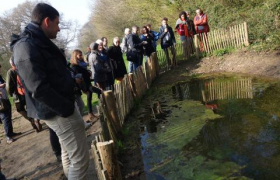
(50, 87)
(166, 35)
(135, 50)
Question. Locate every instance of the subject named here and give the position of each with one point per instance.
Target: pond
(213, 128)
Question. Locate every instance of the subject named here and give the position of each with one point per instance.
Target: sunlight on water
(213, 128)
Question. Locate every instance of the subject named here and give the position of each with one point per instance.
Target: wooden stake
(196, 44)
(109, 159)
(246, 34)
(113, 115)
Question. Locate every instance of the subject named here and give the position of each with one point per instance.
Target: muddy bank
(248, 62)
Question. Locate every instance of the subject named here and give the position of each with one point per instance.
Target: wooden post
(241, 34)
(246, 34)
(196, 45)
(237, 36)
(215, 40)
(222, 38)
(97, 160)
(109, 159)
(147, 74)
(132, 85)
(230, 37)
(113, 115)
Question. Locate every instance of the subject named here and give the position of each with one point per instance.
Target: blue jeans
(131, 66)
(6, 118)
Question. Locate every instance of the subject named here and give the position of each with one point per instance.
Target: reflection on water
(222, 128)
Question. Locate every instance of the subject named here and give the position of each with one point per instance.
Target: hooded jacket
(201, 23)
(42, 68)
(183, 28)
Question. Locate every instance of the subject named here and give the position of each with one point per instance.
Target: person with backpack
(135, 50)
(167, 40)
(6, 112)
(16, 90)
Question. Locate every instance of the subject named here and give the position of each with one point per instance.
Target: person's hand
(174, 44)
(144, 42)
(165, 30)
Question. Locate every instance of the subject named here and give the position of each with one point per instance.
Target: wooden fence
(115, 106)
(234, 36)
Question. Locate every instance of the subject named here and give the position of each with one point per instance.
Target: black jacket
(42, 68)
(99, 67)
(134, 43)
(148, 48)
(166, 42)
(85, 73)
(115, 54)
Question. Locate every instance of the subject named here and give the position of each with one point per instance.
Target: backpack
(124, 45)
(20, 87)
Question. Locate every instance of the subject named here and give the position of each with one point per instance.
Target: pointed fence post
(196, 45)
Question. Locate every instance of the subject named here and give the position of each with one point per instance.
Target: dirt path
(31, 156)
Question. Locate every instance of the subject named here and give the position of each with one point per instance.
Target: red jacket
(201, 22)
(182, 30)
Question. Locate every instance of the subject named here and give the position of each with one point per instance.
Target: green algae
(226, 137)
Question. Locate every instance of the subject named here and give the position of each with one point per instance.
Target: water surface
(213, 128)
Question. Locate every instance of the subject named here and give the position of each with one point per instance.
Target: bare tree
(14, 20)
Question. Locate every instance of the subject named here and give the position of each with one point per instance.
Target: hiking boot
(38, 125)
(34, 126)
(16, 134)
(9, 140)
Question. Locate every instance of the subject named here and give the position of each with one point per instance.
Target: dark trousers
(173, 52)
(140, 59)
(6, 117)
(55, 143)
(91, 90)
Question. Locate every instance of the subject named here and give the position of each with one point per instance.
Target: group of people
(136, 46)
(41, 80)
